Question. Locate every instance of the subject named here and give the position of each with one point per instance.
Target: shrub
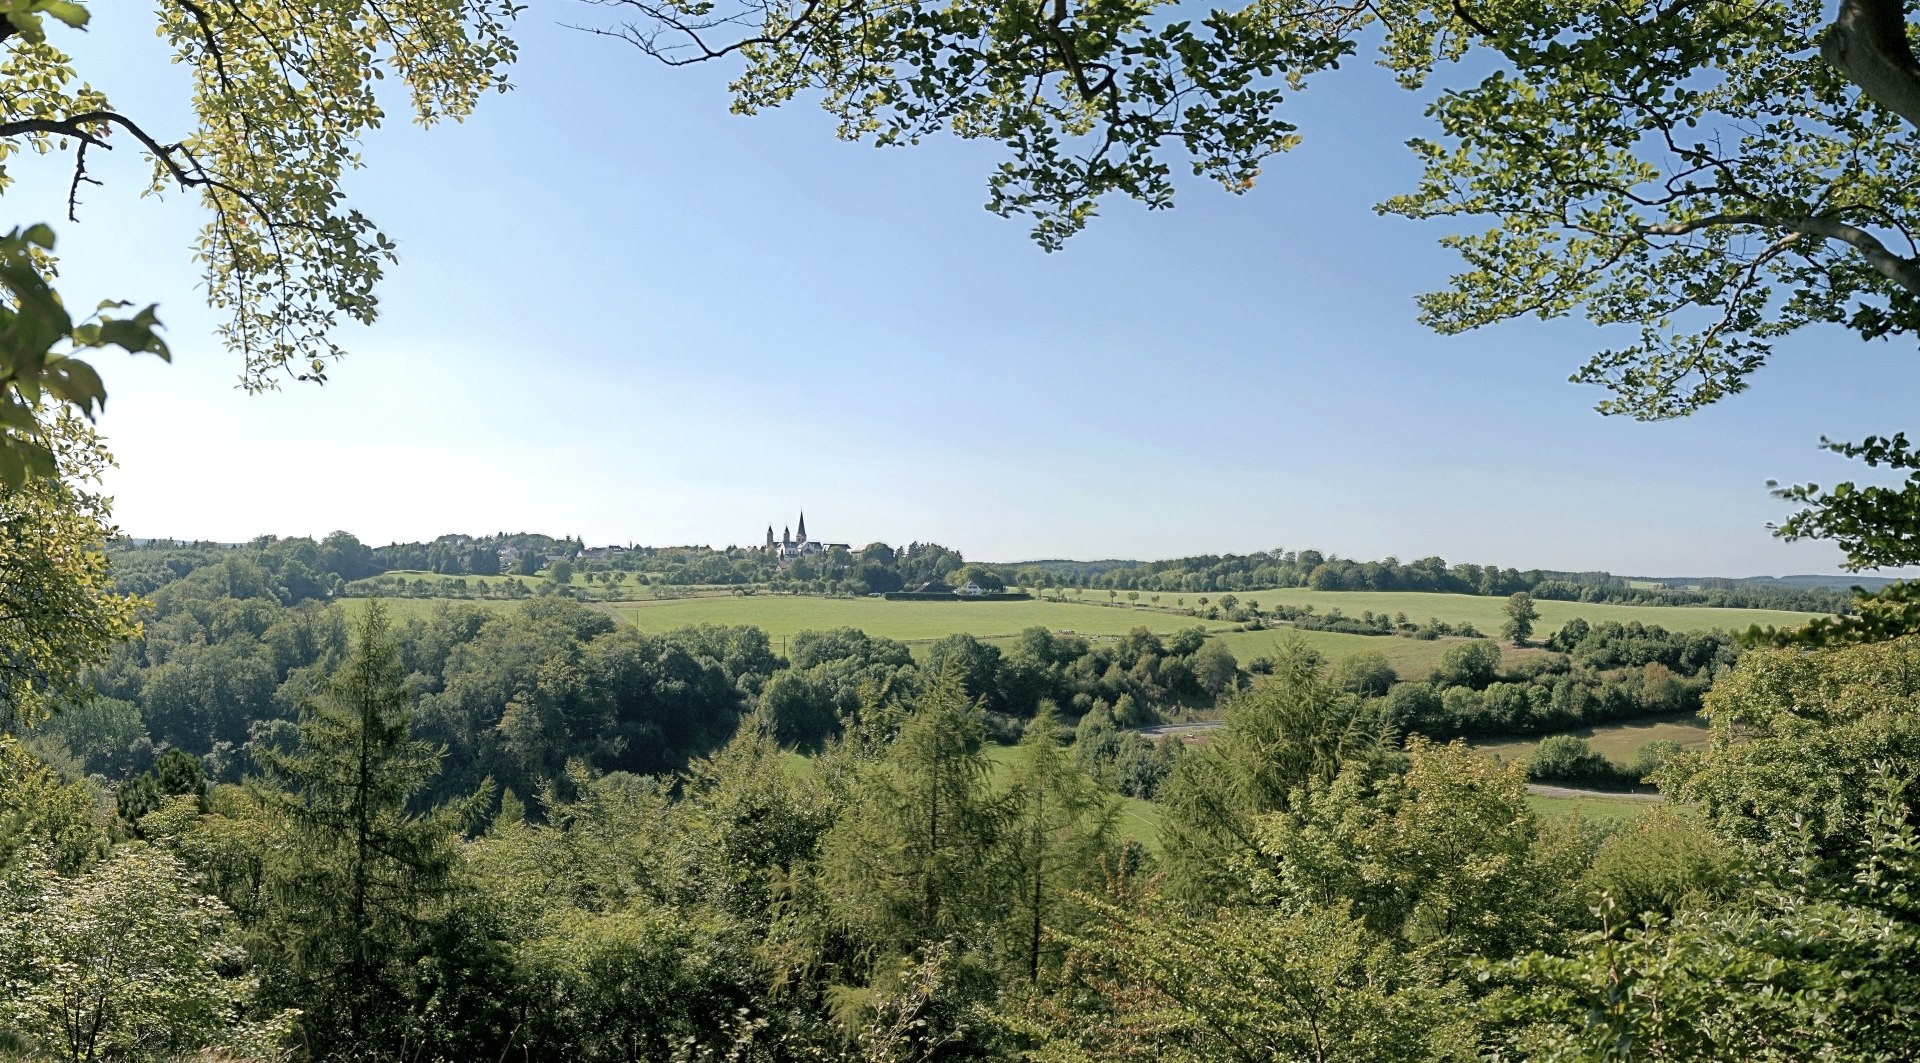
(1564, 758)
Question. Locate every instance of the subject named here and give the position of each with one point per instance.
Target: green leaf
(70, 13)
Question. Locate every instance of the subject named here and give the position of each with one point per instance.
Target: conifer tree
(1059, 823)
(906, 861)
(355, 897)
(1296, 727)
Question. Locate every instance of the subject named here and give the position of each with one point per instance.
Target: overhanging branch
(1900, 270)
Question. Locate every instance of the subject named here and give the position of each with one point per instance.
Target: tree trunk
(1868, 43)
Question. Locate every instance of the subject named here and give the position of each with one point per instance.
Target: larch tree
(905, 859)
(1297, 727)
(1059, 826)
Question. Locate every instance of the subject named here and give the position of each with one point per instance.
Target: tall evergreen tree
(1296, 727)
(1059, 823)
(905, 861)
(356, 895)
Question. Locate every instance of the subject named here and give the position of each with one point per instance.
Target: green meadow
(1604, 809)
(1488, 613)
(919, 624)
(782, 616)
(912, 621)
(1617, 742)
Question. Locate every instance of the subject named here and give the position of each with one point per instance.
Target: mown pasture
(911, 621)
(782, 616)
(919, 624)
(1606, 810)
(1617, 742)
(1488, 613)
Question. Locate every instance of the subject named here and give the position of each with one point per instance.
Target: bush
(1564, 758)
(1653, 756)
(1366, 674)
(1474, 665)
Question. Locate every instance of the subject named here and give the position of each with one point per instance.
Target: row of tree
(309, 569)
(1210, 573)
(1592, 674)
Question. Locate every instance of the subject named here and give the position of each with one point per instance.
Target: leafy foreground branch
(282, 93)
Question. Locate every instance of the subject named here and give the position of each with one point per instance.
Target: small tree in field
(1520, 617)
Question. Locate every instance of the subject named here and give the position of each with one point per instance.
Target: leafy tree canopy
(59, 613)
(278, 111)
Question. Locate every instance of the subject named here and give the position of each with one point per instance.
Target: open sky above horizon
(624, 314)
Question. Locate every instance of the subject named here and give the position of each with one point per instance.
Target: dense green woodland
(262, 829)
(223, 665)
(401, 871)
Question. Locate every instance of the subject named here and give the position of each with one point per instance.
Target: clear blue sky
(624, 314)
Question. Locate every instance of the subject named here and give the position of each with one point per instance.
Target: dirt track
(1604, 795)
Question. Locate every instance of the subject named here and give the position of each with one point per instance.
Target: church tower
(803, 528)
(769, 536)
(786, 537)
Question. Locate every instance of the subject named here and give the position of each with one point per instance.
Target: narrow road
(1541, 790)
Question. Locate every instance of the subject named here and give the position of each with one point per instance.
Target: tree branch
(1902, 271)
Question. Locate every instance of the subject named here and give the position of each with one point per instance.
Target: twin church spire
(788, 543)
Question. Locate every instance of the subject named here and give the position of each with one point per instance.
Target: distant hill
(1063, 566)
(1872, 583)
(1838, 583)
(1090, 568)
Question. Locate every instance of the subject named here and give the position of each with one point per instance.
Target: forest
(625, 861)
(268, 824)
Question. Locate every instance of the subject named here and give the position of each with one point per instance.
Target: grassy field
(922, 623)
(1488, 614)
(781, 616)
(1410, 658)
(1604, 810)
(908, 621)
(1617, 742)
